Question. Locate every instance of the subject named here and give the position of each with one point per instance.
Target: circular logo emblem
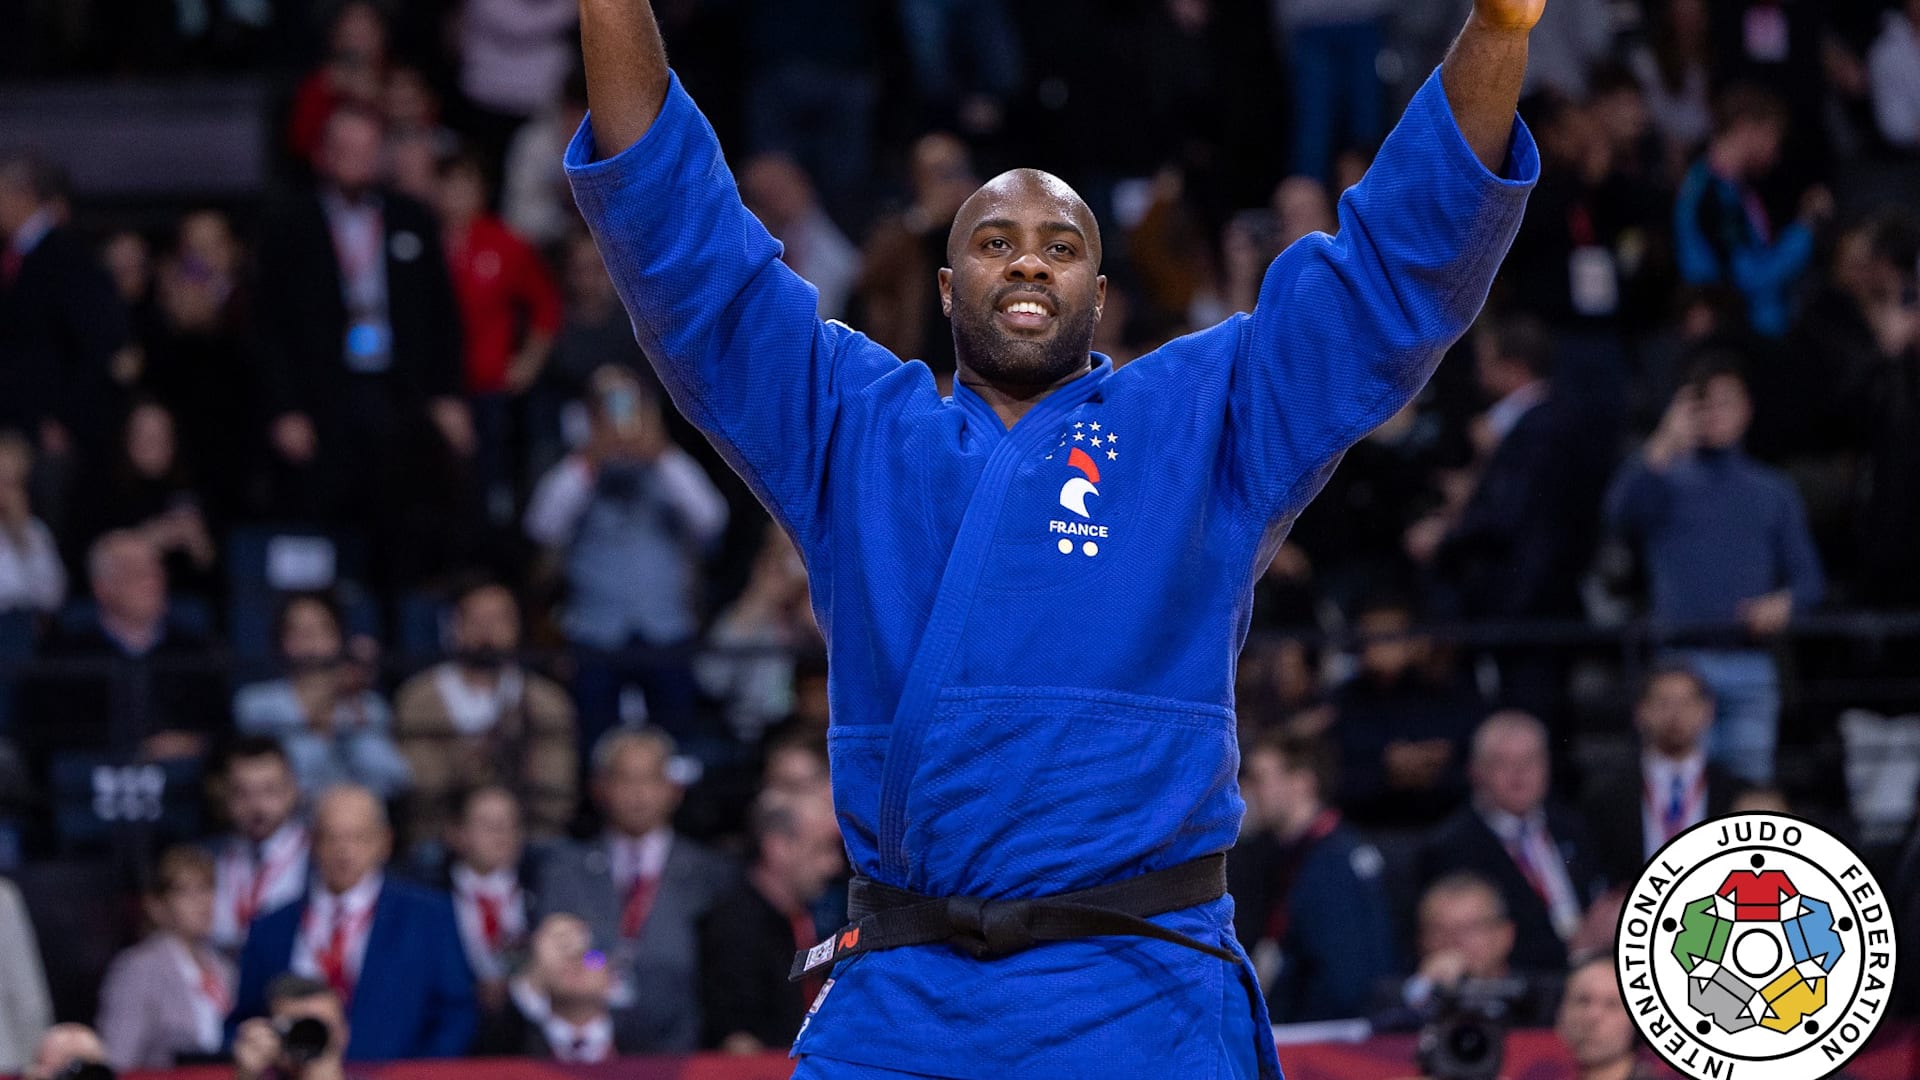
(1757, 940)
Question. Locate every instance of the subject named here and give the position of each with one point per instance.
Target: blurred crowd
(366, 608)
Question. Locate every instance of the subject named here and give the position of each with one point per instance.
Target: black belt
(883, 917)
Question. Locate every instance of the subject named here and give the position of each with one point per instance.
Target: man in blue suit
(391, 951)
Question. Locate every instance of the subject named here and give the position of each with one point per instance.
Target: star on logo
(1111, 456)
(1078, 426)
(1077, 436)
(1096, 440)
(1111, 437)
(1096, 425)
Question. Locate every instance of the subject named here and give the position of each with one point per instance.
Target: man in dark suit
(1309, 903)
(389, 950)
(1671, 786)
(557, 1009)
(359, 342)
(643, 890)
(488, 877)
(748, 940)
(1534, 853)
(61, 322)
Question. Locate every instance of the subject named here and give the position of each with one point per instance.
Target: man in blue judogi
(1034, 590)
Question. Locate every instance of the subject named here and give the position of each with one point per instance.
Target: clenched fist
(1520, 15)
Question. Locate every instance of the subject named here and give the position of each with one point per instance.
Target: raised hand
(1520, 15)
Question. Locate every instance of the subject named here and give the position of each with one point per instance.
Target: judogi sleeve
(1348, 328)
(730, 329)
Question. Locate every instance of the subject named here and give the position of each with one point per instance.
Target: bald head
(1052, 198)
(351, 839)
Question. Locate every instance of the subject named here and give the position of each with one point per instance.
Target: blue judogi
(1032, 631)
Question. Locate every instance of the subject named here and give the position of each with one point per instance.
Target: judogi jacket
(1032, 631)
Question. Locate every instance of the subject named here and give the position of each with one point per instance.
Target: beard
(984, 347)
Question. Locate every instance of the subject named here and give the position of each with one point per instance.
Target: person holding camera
(630, 515)
(559, 1007)
(303, 1037)
(1465, 942)
(69, 1052)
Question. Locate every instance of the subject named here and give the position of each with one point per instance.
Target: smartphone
(623, 407)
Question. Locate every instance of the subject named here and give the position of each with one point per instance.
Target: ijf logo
(1086, 445)
(1758, 941)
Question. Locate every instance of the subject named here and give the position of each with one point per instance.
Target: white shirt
(209, 1014)
(1893, 70)
(474, 710)
(30, 572)
(1657, 774)
(1563, 902)
(505, 886)
(1505, 415)
(639, 857)
(355, 906)
(282, 876)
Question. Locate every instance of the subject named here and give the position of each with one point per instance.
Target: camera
(303, 1039)
(86, 1070)
(1466, 1037)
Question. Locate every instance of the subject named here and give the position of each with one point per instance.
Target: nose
(1028, 267)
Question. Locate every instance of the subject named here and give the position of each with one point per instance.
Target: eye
(995, 243)
(1061, 249)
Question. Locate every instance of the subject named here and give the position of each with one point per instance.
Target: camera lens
(305, 1039)
(1468, 1044)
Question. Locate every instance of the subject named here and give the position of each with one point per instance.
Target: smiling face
(1025, 290)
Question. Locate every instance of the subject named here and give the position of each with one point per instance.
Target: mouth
(1028, 311)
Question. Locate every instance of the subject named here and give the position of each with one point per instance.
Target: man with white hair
(389, 950)
(1534, 852)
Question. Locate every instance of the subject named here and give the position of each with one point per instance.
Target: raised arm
(1483, 72)
(1349, 327)
(626, 70)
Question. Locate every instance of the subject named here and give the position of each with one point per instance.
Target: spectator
(1673, 786)
(749, 938)
(643, 889)
(167, 997)
(196, 359)
(260, 1054)
(26, 1009)
(1533, 851)
(1402, 733)
(630, 514)
(128, 259)
(1879, 409)
(1725, 540)
(1894, 68)
(534, 197)
(63, 1047)
(1672, 68)
(145, 487)
(595, 334)
(906, 249)
(351, 75)
(417, 143)
(488, 878)
(1594, 1026)
(773, 613)
(965, 59)
(1465, 935)
(61, 322)
(130, 624)
(1721, 231)
(776, 189)
(389, 949)
(31, 575)
(558, 1007)
(796, 768)
(1331, 48)
(261, 865)
(514, 55)
(334, 726)
(1308, 900)
(509, 310)
(481, 719)
(360, 355)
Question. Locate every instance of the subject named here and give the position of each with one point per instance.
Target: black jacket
(60, 324)
(1464, 842)
(1613, 807)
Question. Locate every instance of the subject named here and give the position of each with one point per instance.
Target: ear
(1099, 296)
(945, 277)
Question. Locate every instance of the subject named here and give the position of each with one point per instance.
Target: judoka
(1034, 590)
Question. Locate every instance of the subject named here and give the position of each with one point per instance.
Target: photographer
(630, 515)
(305, 1037)
(1466, 947)
(69, 1052)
